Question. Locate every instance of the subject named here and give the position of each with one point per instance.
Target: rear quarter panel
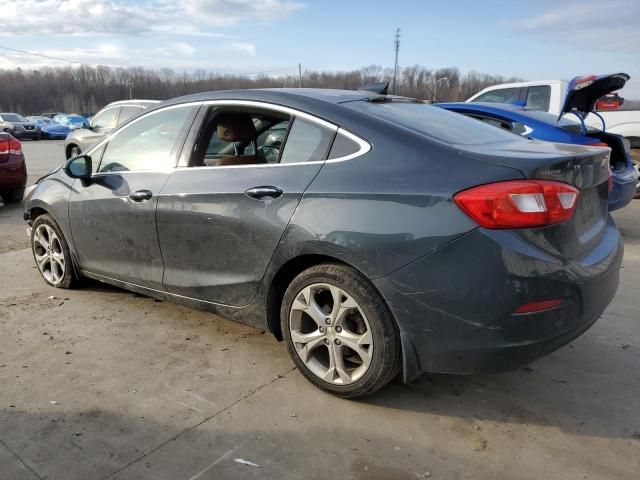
(384, 209)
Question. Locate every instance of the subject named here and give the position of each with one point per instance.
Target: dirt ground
(100, 383)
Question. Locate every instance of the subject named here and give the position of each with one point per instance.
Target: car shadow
(588, 388)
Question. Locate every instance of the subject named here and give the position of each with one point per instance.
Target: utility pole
(299, 75)
(395, 68)
(130, 89)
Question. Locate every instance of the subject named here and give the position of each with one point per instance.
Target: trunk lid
(584, 92)
(586, 168)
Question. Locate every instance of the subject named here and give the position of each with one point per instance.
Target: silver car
(103, 122)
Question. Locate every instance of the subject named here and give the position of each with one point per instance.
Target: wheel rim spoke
(48, 254)
(331, 334)
(307, 342)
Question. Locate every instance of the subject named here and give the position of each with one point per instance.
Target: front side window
(146, 144)
(105, 119)
(538, 97)
(501, 95)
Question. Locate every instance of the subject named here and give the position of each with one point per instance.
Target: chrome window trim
(365, 146)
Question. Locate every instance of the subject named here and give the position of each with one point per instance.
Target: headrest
(236, 127)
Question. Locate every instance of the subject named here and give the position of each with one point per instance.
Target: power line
(38, 55)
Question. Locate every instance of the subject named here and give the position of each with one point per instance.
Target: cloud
(184, 49)
(91, 17)
(601, 25)
(244, 47)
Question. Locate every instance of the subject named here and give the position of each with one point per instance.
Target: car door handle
(260, 193)
(140, 195)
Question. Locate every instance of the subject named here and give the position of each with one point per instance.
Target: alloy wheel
(331, 334)
(49, 255)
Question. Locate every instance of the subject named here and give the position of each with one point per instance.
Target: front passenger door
(113, 217)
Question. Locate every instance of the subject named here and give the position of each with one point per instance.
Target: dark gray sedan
(373, 234)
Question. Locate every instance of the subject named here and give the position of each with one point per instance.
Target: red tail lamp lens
(519, 203)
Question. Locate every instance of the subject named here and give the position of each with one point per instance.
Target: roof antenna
(379, 88)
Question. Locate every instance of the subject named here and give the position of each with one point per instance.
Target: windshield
(13, 117)
(435, 122)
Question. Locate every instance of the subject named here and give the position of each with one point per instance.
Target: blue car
(71, 120)
(49, 130)
(546, 126)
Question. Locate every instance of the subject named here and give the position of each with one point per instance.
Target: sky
(533, 40)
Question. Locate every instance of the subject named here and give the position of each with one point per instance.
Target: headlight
(18, 127)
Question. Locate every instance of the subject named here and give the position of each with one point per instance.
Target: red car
(13, 169)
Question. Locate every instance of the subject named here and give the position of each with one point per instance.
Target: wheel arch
(68, 148)
(285, 275)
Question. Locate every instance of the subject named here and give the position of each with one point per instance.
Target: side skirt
(251, 315)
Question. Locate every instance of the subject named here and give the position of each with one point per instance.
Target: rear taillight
(15, 147)
(598, 144)
(10, 145)
(519, 203)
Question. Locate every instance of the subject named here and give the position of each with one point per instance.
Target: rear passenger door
(218, 226)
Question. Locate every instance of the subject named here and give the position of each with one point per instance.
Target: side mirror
(79, 167)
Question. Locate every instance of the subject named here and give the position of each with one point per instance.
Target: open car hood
(584, 92)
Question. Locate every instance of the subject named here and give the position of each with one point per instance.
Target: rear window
(538, 97)
(565, 123)
(437, 123)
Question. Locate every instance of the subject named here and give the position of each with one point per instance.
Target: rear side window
(343, 146)
(436, 123)
(538, 97)
(306, 142)
(126, 113)
(501, 95)
(106, 119)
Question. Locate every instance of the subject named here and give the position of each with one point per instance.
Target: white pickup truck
(577, 96)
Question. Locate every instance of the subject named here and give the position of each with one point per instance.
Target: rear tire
(339, 332)
(51, 253)
(13, 196)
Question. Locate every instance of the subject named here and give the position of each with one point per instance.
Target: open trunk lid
(586, 168)
(584, 92)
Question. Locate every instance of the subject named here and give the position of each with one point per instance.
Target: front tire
(339, 332)
(51, 253)
(74, 151)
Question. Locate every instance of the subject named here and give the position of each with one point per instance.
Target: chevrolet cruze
(373, 234)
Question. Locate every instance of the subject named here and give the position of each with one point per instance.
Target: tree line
(87, 88)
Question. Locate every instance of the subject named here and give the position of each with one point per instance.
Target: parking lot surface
(102, 383)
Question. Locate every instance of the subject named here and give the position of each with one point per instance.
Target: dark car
(13, 169)
(19, 126)
(378, 235)
(546, 126)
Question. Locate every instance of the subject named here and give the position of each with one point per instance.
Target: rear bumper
(13, 174)
(455, 307)
(624, 188)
